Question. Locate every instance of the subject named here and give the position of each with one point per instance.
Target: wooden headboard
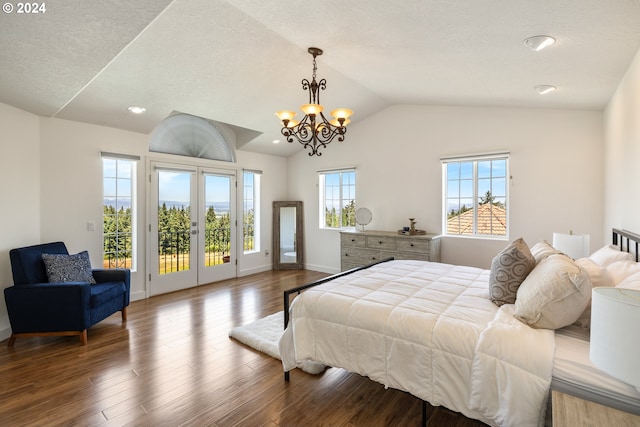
(624, 238)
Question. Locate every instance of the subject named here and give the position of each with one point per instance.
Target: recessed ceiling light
(545, 89)
(538, 43)
(276, 141)
(136, 109)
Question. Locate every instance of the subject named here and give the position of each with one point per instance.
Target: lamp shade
(615, 337)
(574, 245)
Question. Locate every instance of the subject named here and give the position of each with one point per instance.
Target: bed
(432, 330)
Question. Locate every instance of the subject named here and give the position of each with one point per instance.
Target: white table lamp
(615, 333)
(574, 245)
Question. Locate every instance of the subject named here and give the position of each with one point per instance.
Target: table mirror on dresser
(288, 242)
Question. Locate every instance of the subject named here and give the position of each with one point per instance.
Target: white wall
(622, 153)
(19, 192)
(52, 172)
(556, 167)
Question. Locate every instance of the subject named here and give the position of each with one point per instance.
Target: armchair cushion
(27, 265)
(68, 268)
(103, 292)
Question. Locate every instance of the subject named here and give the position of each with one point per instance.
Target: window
(118, 206)
(251, 211)
(476, 196)
(337, 198)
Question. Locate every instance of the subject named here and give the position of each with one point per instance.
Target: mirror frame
(277, 264)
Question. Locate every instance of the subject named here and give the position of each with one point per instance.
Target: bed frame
(620, 237)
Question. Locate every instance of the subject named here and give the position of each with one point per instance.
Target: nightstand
(570, 411)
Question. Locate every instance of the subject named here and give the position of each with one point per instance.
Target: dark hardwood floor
(173, 364)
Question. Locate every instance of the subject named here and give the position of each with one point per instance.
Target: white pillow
(543, 249)
(631, 282)
(620, 270)
(609, 254)
(599, 277)
(554, 294)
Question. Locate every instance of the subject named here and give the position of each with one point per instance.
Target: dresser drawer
(381, 242)
(414, 245)
(359, 256)
(420, 256)
(353, 240)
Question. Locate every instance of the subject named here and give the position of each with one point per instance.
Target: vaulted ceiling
(239, 61)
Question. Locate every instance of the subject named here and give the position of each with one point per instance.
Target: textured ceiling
(239, 61)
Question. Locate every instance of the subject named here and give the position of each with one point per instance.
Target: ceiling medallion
(314, 130)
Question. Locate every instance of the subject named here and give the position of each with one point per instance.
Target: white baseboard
(5, 333)
(135, 296)
(321, 268)
(254, 270)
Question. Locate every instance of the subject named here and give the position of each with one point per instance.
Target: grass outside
(173, 263)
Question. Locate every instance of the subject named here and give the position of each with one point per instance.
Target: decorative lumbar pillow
(508, 269)
(554, 294)
(68, 268)
(609, 254)
(543, 249)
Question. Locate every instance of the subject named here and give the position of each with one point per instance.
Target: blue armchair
(39, 308)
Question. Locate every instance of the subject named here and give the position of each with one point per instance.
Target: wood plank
(173, 364)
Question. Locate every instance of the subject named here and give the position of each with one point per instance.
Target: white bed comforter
(428, 329)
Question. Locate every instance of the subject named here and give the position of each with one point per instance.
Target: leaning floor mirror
(287, 235)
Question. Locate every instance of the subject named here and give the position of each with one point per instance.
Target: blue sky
(174, 186)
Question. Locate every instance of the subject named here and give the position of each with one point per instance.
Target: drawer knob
(353, 240)
(412, 245)
(380, 242)
(373, 258)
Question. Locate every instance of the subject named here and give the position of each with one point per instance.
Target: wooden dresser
(358, 248)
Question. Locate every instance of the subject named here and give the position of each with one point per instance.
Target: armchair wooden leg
(83, 337)
(12, 340)
(124, 314)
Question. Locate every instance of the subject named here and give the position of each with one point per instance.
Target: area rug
(263, 335)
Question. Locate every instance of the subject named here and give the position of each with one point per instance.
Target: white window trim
(321, 195)
(476, 158)
(134, 204)
(257, 174)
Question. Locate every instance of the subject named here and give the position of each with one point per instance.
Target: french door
(192, 226)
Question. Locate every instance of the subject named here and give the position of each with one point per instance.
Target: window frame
(476, 197)
(322, 193)
(132, 187)
(255, 200)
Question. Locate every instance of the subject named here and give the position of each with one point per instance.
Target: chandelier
(314, 130)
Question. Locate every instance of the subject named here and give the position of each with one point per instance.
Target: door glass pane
(174, 221)
(217, 220)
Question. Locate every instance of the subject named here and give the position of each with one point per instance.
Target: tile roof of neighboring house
(492, 219)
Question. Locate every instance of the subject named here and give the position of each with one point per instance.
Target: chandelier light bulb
(310, 109)
(286, 115)
(335, 122)
(342, 113)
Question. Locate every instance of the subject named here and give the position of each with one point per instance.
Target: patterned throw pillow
(508, 269)
(68, 268)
